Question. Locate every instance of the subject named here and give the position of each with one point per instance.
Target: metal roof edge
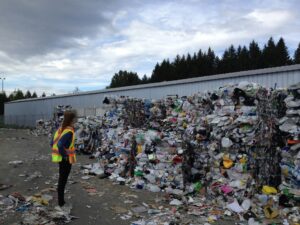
(174, 82)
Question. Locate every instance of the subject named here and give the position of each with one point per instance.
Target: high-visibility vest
(56, 156)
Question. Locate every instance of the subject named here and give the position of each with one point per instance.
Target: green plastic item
(138, 173)
(286, 191)
(197, 186)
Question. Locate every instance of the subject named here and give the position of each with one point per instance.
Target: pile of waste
(290, 153)
(228, 153)
(88, 134)
(48, 127)
(43, 127)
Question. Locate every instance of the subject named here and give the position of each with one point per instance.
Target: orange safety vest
(56, 157)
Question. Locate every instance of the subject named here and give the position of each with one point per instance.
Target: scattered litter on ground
(15, 163)
(5, 186)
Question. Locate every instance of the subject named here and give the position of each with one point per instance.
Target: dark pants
(64, 171)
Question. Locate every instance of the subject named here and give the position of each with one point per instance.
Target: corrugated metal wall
(26, 112)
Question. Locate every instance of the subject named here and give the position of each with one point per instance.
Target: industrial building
(26, 112)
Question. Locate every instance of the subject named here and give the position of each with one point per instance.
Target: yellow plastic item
(40, 200)
(268, 190)
(243, 160)
(139, 149)
(227, 162)
(270, 213)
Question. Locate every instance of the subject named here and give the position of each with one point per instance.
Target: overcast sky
(57, 45)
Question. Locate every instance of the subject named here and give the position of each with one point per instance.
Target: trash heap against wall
(229, 152)
(47, 127)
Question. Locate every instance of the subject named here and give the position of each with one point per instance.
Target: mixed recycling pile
(228, 153)
(47, 127)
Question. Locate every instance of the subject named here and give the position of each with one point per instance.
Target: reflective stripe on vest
(56, 156)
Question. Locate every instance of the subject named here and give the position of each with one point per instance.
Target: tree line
(205, 63)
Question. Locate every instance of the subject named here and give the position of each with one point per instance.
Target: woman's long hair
(69, 117)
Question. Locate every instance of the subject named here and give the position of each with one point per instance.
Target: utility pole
(2, 78)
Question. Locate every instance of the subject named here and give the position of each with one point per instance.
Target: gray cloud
(44, 43)
(33, 27)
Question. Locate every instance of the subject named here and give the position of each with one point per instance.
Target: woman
(63, 152)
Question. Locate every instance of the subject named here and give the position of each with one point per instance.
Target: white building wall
(26, 112)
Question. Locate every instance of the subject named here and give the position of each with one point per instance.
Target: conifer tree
(34, 95)
(28, 94)
(269, 54)
(297, 55)
(282, 54)
(255, 56)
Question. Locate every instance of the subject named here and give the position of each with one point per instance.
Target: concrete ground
(103, 207)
